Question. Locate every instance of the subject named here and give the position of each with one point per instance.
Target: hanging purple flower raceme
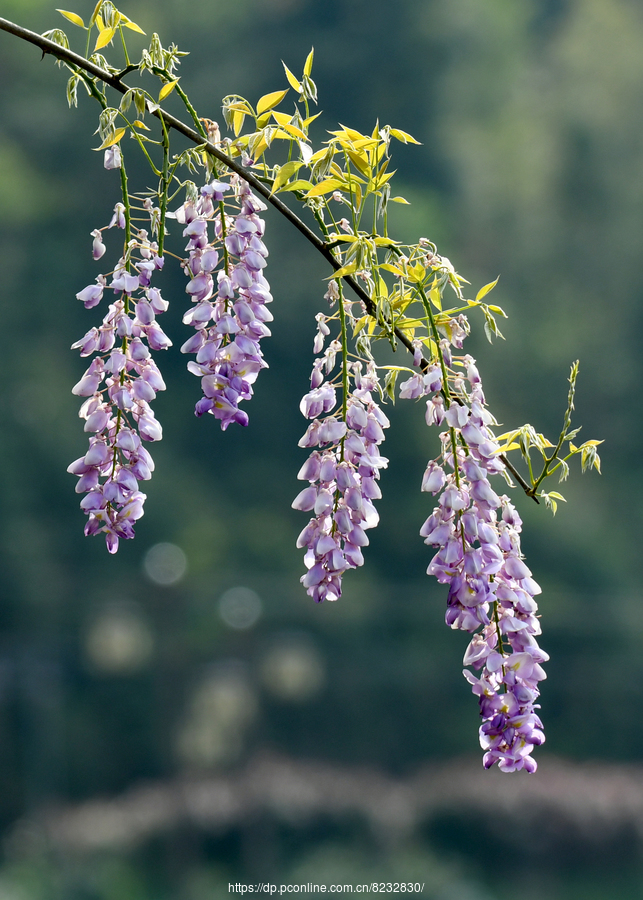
(230, 293)
(342, 474)
(477, 533)
(119, 385)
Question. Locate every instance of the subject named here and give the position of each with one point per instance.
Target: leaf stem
(120, 30)
(193, 113)
(567, 421)
(226, 257)
(165, 183)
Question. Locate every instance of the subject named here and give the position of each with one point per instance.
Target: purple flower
(98, 247)
(119, 385)
(92, 294)
(476, 534)
(118, 219)
(412, 388)
(113, 158)
(343, 474)
(230, 318)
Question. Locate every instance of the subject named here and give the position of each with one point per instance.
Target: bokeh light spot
(240, 608)
(165, 564)
(119, 640)
(293, 670)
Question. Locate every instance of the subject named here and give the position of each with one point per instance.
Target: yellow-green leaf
(361, 162)
(298, 185)
(485, 290)
(383, 179)
(434, 294)
(114, 139)
(360, 325)
(400, 303)
(283, 120)
(345, 270)
(167, 89)
(403, 136)
(592, 443)
(95, 16)
(131, 25)
(237, 121)
(291, 78)
(382, 289)
(400, 200)
(242, 106)
(508, 435)
(282, 135)
(312, 119)
(364, 143)
(294, 131)
(290, 168)
(416, 273)
(350, 133)
(260, 148)
(73, 17)
(377, 153)
(138, 124)
(402, 322)
(104, 38)
(326, 187)
(269, 100)
(308, 65)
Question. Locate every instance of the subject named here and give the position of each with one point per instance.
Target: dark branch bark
(115, 82)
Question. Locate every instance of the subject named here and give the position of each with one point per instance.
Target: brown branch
(115, 82)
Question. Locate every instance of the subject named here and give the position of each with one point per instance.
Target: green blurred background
(192, 665)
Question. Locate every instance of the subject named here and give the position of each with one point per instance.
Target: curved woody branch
(115, 81)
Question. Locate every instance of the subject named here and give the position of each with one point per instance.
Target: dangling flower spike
(229, 315)
(477, 533)
(119, 385)
(343, 474)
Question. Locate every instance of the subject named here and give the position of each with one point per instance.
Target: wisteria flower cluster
(229, 317)
(342, 475)
(477, 533)
(120, 383)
